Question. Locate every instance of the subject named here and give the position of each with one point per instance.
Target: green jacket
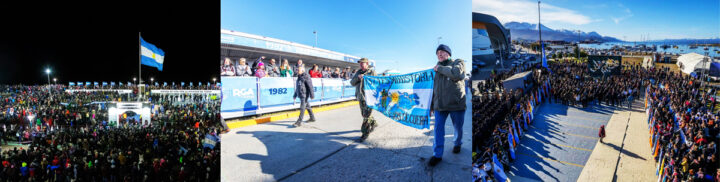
(358, 84)
(286, 72)
(449, 86)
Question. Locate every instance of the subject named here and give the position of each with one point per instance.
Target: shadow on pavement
(628, 153)
(327, 156)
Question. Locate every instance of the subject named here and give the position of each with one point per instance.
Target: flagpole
(539, 29)
(139, 61)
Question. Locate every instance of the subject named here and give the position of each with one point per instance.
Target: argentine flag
(151, 55)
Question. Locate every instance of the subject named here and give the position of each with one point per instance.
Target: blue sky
(670, 19)
(400, 35)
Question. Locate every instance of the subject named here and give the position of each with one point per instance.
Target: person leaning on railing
(242, 68)
(315, 72)
(272, 69)
(285, 69)
(227, 69)
(296, 66)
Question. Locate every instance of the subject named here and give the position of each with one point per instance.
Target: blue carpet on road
(559, 142)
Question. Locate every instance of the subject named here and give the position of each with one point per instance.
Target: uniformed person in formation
(357, 80)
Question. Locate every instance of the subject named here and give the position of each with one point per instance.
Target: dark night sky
(97, 41)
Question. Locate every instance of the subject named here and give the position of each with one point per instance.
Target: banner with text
(403, 98)
(276, 91)
(239, 94)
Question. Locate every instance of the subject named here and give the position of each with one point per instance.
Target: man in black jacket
(304, 90)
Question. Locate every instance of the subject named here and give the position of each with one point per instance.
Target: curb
(286, 114)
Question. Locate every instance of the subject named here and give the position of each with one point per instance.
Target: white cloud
(627, 15)
(526, 11)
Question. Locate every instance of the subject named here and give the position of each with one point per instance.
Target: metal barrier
(247, 96)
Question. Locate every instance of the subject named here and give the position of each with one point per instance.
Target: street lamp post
(214, 79)
(704, 75)
(315, 33)
(135, 80)
(152, 81)
(55, 80)
(47, 71)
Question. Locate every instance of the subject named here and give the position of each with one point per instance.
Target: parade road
(325, 150)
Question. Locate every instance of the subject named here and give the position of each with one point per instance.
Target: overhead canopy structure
(235, 45)
(692, 62)
(499, 36)
(490, 40)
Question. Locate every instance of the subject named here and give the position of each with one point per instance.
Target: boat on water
(665, 46)
(693, 47)
(706, 48)
(675, 46)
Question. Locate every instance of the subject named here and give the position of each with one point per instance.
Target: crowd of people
(507, 114)
(682, 116)
(65, 136)
(684, 126)
(153, 85)
(259, 68)
(573, 85)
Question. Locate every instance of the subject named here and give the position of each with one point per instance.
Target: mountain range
(529, 31)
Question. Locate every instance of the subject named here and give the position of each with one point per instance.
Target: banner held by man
(403, 98)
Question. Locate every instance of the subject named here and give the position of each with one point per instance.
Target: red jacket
(315, 74)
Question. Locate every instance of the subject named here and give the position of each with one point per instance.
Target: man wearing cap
(305, 91)
(448, 99)
(357, 81)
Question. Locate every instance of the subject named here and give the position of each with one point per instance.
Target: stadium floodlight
(55, 80)
(214, 79)
(151, 80)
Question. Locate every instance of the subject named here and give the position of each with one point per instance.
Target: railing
(246, 96)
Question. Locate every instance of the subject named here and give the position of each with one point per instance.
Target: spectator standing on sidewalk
(448, 99)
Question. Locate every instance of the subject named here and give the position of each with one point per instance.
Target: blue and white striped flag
(151, 55)
(510, 142)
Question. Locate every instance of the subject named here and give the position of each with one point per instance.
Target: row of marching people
(508, 114)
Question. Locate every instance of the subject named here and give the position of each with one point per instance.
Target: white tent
(690, 62)
(648, 62)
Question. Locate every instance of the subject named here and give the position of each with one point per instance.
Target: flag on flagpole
(498, 170)
(151, 55)
(512, 150)
(515, 133)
